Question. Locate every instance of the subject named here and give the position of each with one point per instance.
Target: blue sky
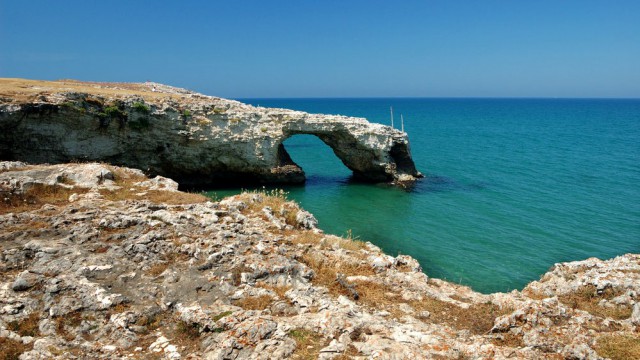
(331, 48)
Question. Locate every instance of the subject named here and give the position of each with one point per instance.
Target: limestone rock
(189, 137)
(132, 278)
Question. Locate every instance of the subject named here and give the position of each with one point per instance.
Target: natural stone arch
(199, 141)
(370, 155)
(296, 170)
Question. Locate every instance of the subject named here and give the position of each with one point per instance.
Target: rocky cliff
(192, 138)
(99, 262)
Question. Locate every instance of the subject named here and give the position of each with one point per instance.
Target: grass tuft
(188, 331)
(157, 269)
(279, 290)
(141, 107)
(36, 196)
(308, 344)
(221, 315)
(619, 347)
(63, 323)
(128, 191)
(254, 302)
(276, 199)
(11, 349)
(509, 339)
(586, 298)
(27, 326)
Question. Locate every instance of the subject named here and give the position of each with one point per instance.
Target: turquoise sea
(512, 185)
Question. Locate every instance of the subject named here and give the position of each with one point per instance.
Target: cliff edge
(195, 139)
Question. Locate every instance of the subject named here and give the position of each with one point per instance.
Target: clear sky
(331, 48)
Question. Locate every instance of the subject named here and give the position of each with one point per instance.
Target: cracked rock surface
(108, 268)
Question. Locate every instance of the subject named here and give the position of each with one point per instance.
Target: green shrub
(69, 105)
(114, 112)
(141, 107)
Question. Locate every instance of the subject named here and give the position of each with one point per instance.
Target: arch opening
(316, 160)
(402, 158)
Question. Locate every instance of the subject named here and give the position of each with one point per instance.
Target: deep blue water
(512, 185)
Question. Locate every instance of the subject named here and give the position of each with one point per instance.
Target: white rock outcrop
(124, 277)
(191, 138)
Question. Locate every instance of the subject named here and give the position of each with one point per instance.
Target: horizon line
(435, 97)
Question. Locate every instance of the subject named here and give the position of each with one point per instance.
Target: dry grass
(186, 335)
(35, 197)
(27, 326)
(586, 298)
(535, 295)
(308, 344)
(175, 197)
(348, 354)
(619, 347)
(22, 168)
(254, 302)
(117, 309)
(33, 225)
(189, 331)
(23, 90)
(381, 296)
(326, 272)
(236, 274)
(11, 349)
(308, 237)
(275, 199)
(157, 269)
(305, 237)
(127, 180)
(509, 339)
(347, 243)
(101, 249)
(151, 322)
(63, 323)
(279, 290)
(477, 318)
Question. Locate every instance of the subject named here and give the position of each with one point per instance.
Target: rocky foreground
(100, 262)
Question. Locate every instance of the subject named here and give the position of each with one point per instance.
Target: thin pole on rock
(391, 107)
(402, 122)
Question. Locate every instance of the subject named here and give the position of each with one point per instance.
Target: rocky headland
(195, 139)
(102, 262)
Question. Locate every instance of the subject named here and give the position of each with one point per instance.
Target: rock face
(102, 266)
(192, 138)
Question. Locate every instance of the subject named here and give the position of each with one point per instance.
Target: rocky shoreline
(101, 262)
(195, 139)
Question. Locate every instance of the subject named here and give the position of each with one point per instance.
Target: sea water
(512, 186)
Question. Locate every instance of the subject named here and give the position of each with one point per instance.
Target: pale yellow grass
(23, 90)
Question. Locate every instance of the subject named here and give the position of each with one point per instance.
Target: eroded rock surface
(189, 137)
(109, 276)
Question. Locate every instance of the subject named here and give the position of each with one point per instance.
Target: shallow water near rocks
(512, 185)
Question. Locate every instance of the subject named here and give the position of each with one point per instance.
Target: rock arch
(373, 152)
(197, 140)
